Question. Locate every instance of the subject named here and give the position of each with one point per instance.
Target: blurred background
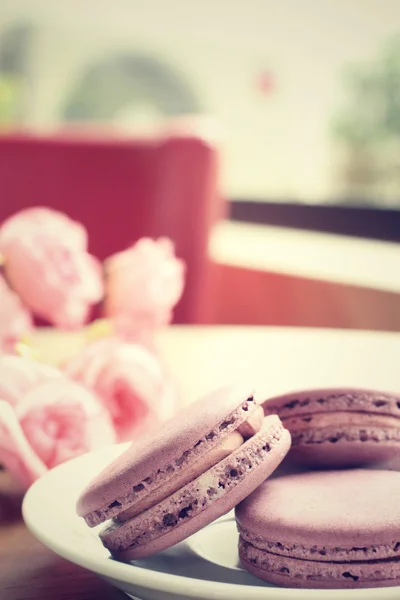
(263, 137)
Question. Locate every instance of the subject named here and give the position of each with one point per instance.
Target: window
(307, 93)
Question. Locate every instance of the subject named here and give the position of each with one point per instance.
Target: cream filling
(339, 419)
(227, 446)
(253, 423)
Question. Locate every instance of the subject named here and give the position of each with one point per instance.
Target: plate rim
(161, 581)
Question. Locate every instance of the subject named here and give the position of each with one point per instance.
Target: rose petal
(62, 419)
(15, 320)
(18, 375)
(143, 285)
(16, 454)
(55, 281)
(87, 364)
(131, 382)
(42, 219)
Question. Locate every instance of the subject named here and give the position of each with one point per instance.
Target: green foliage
(372, 114)
(9, 94)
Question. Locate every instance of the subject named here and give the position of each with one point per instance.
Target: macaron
(340, 427)
(323, 529)
(198, 466)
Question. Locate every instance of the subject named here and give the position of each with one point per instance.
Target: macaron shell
(292, 573)
(325, 529)
(340, 427)
(151, 459)
(212, 509)
(344, 454)
(328, 420)
(325, 510)
(332, 400)
(229, 444)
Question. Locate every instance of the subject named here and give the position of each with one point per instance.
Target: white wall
(276, 145)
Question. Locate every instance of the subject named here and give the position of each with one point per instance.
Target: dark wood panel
(359, 221)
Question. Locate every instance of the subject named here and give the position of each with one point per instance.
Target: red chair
(122, 189)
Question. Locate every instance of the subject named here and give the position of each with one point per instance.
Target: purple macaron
(197, 467)
(341, 427)
(323, 529)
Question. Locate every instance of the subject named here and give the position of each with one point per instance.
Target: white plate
(203, 567)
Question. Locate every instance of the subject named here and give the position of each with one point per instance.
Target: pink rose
(19, 375)
(15, 320)
(54, 422)
(143, 285)
(41, 218)
(131, 382)
(56, 282)
(47, 265)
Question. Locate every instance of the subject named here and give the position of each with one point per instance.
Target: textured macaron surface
(151, 461)
(291, 572)
(340, 427)
(199, 502)
(333, 528)
(331, 400)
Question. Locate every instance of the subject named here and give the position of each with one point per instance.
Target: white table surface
(272, 360)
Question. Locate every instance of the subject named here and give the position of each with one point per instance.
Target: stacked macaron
(339, 427)
(326, 529)
(319, 528)
(199, 466)
(337, 525)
